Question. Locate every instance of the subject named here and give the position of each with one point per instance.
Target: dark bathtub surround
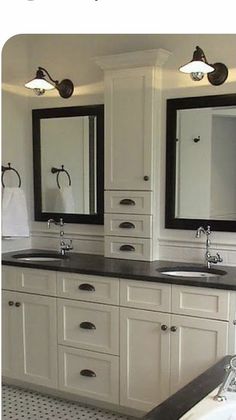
(182, 401)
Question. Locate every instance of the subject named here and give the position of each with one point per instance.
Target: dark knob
(17, 304)
(87, 372)
(87, 325)
(127, 248)
(146, 178)
(164, 327)
(87, 287)
(10, 303)
(173, 329)
(127, 202)
(126, 225)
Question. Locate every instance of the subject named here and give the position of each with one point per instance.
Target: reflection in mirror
(68, 159)
(201, 156)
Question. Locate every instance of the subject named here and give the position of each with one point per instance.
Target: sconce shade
(198, 64)
(39, 84)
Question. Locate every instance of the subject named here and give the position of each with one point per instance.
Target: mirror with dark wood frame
(201, 162)
(68, 157)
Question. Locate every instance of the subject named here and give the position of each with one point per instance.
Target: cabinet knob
(17, 304)
(173, 329)
(87, 325)
(146, 178)
(10, 303)
(164, 327)
(87, 287)
(87, 372)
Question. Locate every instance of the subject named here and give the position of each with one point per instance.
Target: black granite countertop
(182, 401)
(137, 270)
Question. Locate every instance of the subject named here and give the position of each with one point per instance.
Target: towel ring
(58, 171)
(9, 168)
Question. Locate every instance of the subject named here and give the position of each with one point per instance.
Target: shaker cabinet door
(128, 148)
(144, 358)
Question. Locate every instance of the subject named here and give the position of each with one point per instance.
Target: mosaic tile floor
(20, 404)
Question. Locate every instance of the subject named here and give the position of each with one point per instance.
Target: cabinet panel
(128, 248)
(128, 202)
(30, 280)
(145, 295)
(89, 326)
(10, 331)
(195, 346)
(128, 225)
(144, 358)
(88, 287)
(88, 373)
(128, 157)
(202, 302)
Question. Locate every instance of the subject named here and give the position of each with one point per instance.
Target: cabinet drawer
(37, 281)
(128, 248)
(131, 202)
(145, 295)
(88, 373)
(202, 302)
(128, 225)
(88, 326)
(88, 288)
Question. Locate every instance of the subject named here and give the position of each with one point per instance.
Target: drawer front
(88, 326)
(201, 302)
(128, 225)
(128, 248)
(145, 295)
(36, 281)
(89, 374)
(131, 202)
(88, 288)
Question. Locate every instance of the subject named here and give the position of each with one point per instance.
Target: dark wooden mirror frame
(173, 105)
(73, 111)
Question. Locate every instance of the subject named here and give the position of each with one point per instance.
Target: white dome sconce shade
(40, 84)
(216, 73)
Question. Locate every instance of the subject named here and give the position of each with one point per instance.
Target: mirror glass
(201, 168)
(68, 159)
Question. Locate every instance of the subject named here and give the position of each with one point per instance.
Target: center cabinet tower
(132, 152)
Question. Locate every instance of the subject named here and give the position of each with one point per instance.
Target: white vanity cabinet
(162, 351)
(130, 343)
(29, 338)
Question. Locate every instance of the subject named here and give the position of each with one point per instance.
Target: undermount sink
(39, 257)
(191, 272)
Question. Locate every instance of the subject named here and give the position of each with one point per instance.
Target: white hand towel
(14, 213)
(65, 200)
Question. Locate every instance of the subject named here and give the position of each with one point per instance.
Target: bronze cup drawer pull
(87, 372)
(87, 287)
(127, 202)
(127, 225)
(87, 325)
(127, 248)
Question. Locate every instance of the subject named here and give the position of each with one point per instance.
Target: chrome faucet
(210, 259)
(229, 381)
(64, 246)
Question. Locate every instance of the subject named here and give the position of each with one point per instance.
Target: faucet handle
(219, 258)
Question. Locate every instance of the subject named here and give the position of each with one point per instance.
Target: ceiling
(72, 56)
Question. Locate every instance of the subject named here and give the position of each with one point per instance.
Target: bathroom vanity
(115, 331)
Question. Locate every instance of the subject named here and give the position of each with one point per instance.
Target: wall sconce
(39, 84)
(217, 73)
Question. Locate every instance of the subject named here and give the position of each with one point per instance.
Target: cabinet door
(37, 345)
(128, 149)
(10, 331)
(196, 344)
(144, 361)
